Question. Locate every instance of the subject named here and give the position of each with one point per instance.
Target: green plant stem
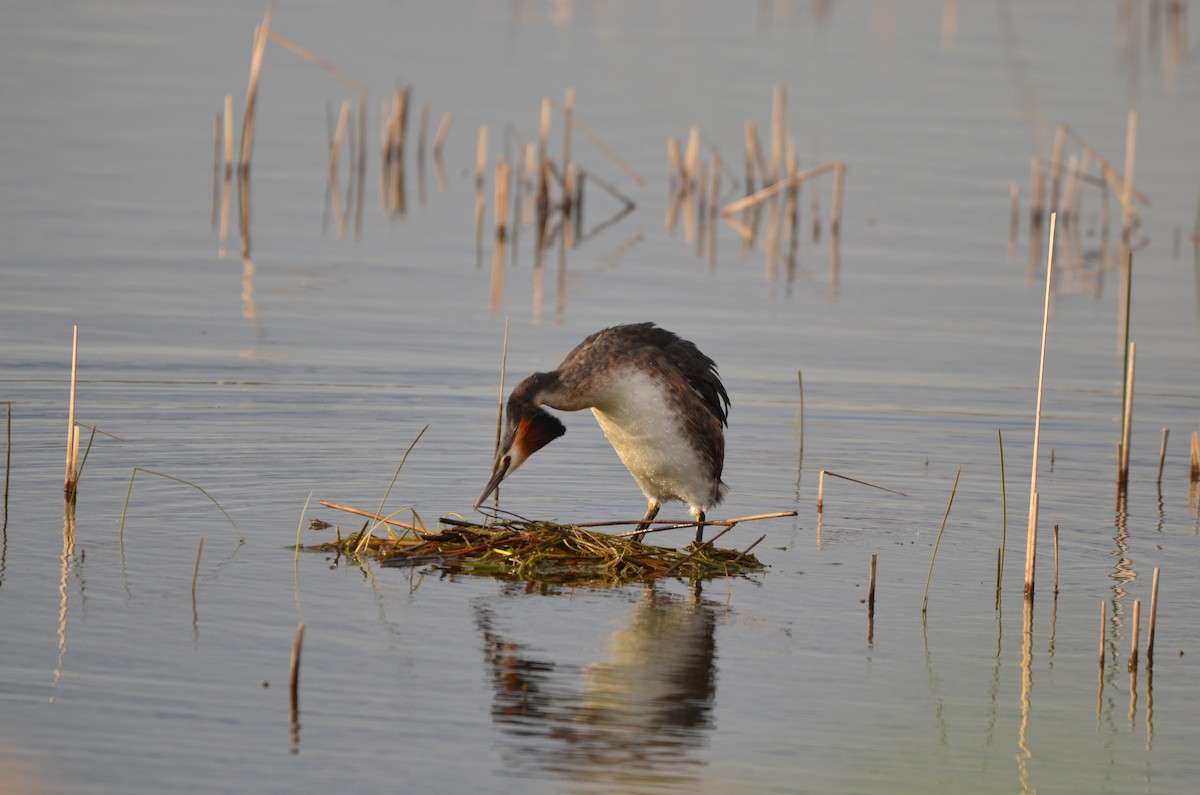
(928, 577)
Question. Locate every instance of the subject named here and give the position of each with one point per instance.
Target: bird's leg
(644, 525)
(700, 527)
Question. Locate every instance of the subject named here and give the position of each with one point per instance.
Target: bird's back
(661, 404)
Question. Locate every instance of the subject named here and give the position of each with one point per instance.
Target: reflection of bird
(657, 398)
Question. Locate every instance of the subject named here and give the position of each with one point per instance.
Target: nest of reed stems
(542, 552)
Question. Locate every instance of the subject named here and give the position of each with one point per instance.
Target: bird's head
(528, 428)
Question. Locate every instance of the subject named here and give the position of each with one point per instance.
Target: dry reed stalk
(1112, 177)
(216, 184)
(481, 158)
(503, 171)
(1153, 620)
(1162, 454)
(604, 149)
(749, 149)
(675, 524)
(771, 190)
(315, 60)
(778, 131)
(1031, 535)
(674, 165)
(443, 130)
(1195, 456)
(1103, 629)
(72, 469)
(371, 515)
(691, 156)
(568, 112)
(754, 157)
(570, 188)
(1134, 632)
(335, 150)
(196, 570)
(821, 487)
(871, 585)
(294, 678)
(1127, 187)
(261, 34)
(227, 160)
(1123, 473)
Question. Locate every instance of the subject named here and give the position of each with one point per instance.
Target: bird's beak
(501, 470)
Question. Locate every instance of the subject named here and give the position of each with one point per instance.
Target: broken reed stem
(871, 585)
(700, 547)
(196, 571)
(501, 209)
(1031, 534)
(294, 679)
(835, 212)
(1135, 630)
(821, 487)
(1162, 454)
(568, 112)
(439, 140)
(1127, 284)
(595, 141)
(778, 130)
(316, 60)
(1103, 628)
(771, 190)
(1153, 619)
(929, 576)
(261, 33)
(378, 518)
(1123, 473)
(1195, 457)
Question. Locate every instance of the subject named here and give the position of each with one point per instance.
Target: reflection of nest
(543, 552)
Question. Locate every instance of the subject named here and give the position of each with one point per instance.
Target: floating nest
(543, 552)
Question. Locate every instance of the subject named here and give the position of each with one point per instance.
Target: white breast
(648, 436)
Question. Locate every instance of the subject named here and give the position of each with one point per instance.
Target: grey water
(302, 370)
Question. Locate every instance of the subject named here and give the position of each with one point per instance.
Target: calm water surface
(308, 367)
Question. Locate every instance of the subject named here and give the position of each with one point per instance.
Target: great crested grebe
(657, 398)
